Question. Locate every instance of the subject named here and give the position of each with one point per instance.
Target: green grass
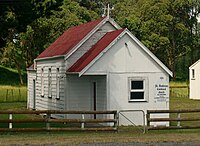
(13, 93)
(174, 83)
(179, 92)
(125, 134)
(185, 103)
(10, 76)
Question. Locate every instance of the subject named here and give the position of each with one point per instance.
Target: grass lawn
(125, 135)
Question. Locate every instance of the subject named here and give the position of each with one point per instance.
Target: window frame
(145, 89)
(49, 83)
(193, 74)
(57, 83)
(42, 82)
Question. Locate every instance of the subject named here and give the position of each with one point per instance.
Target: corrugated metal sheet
(94, 51)
(69, 39)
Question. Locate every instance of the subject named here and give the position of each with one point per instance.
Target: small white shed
(194, 78)
(99, 66)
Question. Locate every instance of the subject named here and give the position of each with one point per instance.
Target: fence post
(47, 119)
(10, 118)
(148, 117)
(7, 95)
(116, 118)
(83, 124)
(178, 117)
(12, 94)
(19, 95)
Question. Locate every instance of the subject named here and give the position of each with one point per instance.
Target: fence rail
(178, 119)
(180, 91)
(48, 121)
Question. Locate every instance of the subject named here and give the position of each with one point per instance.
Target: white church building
(98, 66)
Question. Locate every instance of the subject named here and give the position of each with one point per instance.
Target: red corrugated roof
(94, 51)
(69, 39)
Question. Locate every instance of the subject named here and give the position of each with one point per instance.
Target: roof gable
(91, 56)
(69, 39)
(95, 51)
(145, 49)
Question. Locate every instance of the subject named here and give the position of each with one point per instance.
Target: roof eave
(47, 58)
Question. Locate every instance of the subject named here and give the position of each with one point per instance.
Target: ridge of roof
(70, 38)
(94, 51)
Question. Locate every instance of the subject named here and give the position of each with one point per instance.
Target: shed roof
(94, 51)
(69, 39)
(194, 64)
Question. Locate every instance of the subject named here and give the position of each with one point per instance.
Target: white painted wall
(194, 82)
(120, 63)
(46, 103)
(31, 75)
(120, 58)
(119, 95)
(79, 94)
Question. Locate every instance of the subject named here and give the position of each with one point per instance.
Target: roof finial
(108, 9)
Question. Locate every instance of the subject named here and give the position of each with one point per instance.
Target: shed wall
(194, 81)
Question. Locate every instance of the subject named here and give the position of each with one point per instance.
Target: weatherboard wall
(31, 77)
(45, 102)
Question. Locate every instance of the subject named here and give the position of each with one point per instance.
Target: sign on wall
(161, 91)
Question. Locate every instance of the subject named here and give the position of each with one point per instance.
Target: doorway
(34, 99)
(94, 96)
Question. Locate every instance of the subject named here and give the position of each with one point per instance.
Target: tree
(162, 25)
(44, 30)
(13, 52)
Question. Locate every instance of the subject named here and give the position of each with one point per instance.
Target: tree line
(169, 28)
